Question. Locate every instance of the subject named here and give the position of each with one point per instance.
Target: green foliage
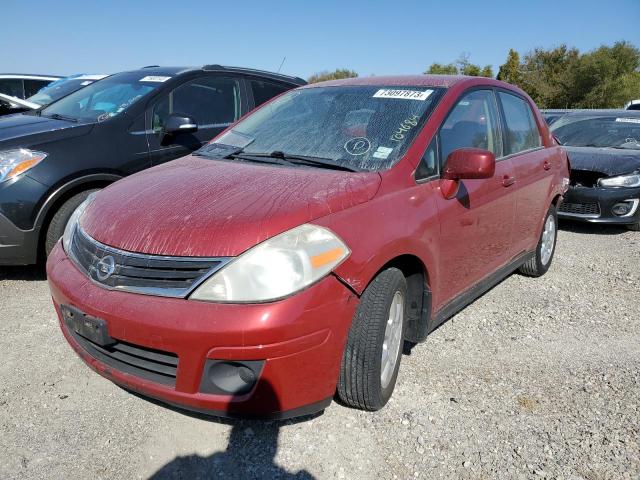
(562, 77)
(462, 66)
(510, 71)
(439, 69)
(337, 74)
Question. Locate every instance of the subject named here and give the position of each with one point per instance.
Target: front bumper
(300, 341)
(595, 205)
(17, 247)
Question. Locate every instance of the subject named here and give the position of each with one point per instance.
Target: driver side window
(210, 101)
(473, 123)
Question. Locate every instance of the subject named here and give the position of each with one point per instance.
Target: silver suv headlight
(277, 267)
(632, 180)
(18, 160)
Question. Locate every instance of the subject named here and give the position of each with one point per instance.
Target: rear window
(521, 129)
(263, 91)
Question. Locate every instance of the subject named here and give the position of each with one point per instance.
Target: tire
(58, 222)
(361, 384)
(634, 227)
(540, 263)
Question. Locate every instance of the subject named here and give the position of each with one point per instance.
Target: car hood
(21, 126)
(608, 161)
(208, 208)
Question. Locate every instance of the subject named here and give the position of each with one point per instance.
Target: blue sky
(371, 37)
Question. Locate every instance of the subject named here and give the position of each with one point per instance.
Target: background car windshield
(362, 127)
(598, 131)
(58, 89)
(104, 99)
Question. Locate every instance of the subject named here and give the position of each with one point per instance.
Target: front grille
(154, 365)
(588, 209)
(139, 273)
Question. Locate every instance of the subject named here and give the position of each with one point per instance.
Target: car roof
(445, 81)
(603, 113)
(173, 71)
(30, 76)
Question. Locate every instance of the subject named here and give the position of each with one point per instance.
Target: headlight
(632, 180)
(277, 267)
(73, 223)
(17, 161)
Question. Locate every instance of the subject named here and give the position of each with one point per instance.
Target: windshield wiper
(320, 162)
(57, 116)
(260, 158)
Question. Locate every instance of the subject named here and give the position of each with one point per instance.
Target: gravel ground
(537, 379)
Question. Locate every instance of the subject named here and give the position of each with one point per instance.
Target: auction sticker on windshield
(403, 94)
(153, 78)
(628, 120)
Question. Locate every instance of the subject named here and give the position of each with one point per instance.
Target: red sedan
(289, 260)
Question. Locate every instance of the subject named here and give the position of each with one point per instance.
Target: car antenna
(281, 64)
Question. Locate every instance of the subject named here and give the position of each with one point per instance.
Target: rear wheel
(540, 263)
(58, 222)
(371, 358)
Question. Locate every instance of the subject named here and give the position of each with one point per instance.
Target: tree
(337, 74)
(439, 69)
(510, 71)
(562, 77)
(462, 66)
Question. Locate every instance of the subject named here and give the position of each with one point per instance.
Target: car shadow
(30, 272)
(591, 228)
(250, 452)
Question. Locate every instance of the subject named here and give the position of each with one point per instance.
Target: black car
(604, 151)
(52, 159)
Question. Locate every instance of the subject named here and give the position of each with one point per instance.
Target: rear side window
(263, 91)
(521, 129)
(210, 101)
(12, 86)
(31, 87)
(473, 123)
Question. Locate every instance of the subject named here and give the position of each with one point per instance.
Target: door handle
(546, 165)
(507, 181)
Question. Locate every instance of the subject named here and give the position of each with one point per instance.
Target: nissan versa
(293, 256)
(53, 158)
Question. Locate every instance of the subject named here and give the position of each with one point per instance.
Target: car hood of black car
(27, 130)
(608, 161)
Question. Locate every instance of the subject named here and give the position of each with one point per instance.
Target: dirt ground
(540, 378)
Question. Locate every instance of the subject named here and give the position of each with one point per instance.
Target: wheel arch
(62, 193)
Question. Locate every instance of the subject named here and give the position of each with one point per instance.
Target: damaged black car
(604, 150)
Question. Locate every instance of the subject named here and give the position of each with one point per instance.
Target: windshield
(104, 99)
(598, 131)
(359, 127)
(58, 89)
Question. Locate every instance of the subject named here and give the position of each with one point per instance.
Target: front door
(213, 101)
(476, 225)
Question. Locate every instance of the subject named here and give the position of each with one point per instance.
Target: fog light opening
(625, 209)
(230, 377)
(621, 209)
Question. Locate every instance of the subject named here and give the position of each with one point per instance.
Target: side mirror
(179, 123)
(466, 163)
(469, 163)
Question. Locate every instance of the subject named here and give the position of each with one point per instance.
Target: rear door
(523, 145)
(476, 225)
(213, 101)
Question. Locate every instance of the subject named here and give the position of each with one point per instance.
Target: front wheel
(540, 263)
(371, 358)
(635, 227)
(59, 220)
